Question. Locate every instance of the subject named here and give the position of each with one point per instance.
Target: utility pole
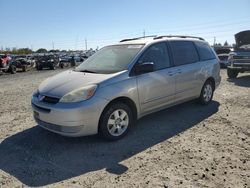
(86, 44)
(53, 46)
(214, 40)
(143, 33)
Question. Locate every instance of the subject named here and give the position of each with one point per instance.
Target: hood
(67, 81)
(242, 38)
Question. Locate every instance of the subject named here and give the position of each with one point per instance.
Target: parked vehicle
(223, 60)
(121, 83)
(22, 63)
(6, 66)
(78, 60)
(47, 61)
(239, 60)
(64, 61)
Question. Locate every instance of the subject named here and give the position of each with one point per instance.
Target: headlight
(230, 58)
(80, 94)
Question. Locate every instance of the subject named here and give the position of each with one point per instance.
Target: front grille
(46, 110)
(241, 57)
(49, 126)
(242, 65)
(52, 100)
(58, 128)
(242, 61)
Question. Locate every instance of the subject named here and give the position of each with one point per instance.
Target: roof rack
(149, 36)
(180, 36)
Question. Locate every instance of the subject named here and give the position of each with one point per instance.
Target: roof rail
(180, 36)
(149, 36)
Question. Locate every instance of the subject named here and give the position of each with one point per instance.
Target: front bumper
(240, 66)
(69, 119)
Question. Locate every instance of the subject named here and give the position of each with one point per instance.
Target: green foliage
(41, 50)
(18, 51)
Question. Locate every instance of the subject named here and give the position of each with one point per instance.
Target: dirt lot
(185, 146)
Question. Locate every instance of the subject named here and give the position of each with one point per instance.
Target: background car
(223, 60)
(239, 59)
(47, 61)
(6, 66)
(22, 63)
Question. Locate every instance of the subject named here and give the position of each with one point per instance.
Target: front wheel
(232, 73)
(52, 67)
(61, 65)
(39, 67)
(116, 121)
(207, 92)
(24, 68)
(13, 69)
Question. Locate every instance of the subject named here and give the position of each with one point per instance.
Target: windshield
(110, 59)
(223, 58)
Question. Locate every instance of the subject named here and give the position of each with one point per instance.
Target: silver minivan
(120, 83)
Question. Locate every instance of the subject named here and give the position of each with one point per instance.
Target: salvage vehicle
(6, 66)
(121, 83)
(223, 60)
(47, 61)
(239, 59)
(64, 61)
(22, 63)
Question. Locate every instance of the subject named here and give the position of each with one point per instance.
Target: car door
(156, 89)
(187, 69)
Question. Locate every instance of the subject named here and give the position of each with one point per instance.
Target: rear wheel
(207, 92)
(116, 121)
(232, 73)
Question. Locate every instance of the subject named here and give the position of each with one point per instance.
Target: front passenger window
(158, 54)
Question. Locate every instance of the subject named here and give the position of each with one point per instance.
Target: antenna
(86, 44)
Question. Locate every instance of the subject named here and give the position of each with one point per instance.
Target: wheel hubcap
(207, 93)
(118, 122)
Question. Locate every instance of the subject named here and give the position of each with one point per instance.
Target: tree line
(24, 51)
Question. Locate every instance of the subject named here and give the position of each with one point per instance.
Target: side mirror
(144, 68)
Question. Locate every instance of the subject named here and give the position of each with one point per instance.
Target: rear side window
(205, 51)
(184, 52)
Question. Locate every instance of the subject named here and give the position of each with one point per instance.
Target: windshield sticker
(134, 46)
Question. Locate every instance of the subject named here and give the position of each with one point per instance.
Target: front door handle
(179, 71)
(170, 73)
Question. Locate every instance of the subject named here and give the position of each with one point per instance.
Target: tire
(52, 67)
(72, 64)
(12, 69)
(207, 93)
(24, 68)
(39, 67)
(232, 73)
(116, 121)
(61, 65)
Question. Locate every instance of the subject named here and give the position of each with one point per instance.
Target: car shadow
(243, 81)
(37, 157)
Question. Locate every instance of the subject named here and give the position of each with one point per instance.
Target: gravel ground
(185, 146)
